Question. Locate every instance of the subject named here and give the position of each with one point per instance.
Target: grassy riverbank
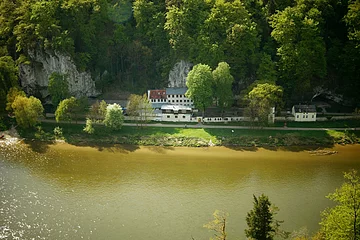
(191, 137)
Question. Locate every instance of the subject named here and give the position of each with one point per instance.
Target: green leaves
(260, 220)
(343, 220)
(223, 81)
(67, 109)
(27, 111)
(58, 87)
(302, 63)
(199, 83)
(261, 98)
(114, 117)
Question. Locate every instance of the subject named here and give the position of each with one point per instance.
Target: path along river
(62, 191)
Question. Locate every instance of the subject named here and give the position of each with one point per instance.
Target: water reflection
(70, 192)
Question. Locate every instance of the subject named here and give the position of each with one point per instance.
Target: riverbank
(190, 137)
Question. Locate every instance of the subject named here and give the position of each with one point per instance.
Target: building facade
(304, 113)
(176, 96)
(176, 113)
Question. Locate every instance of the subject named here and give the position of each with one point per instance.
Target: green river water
(67, 192)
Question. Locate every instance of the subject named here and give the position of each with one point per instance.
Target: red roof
(157, 94)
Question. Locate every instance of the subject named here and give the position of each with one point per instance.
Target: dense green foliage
(27, 111)
(58, 88)
(67, 109)
(114, 117)
(223, 81)
(343, 220)
(260, 220)
(199, 82)
(261, 98)
(11, 96)
(133, 44)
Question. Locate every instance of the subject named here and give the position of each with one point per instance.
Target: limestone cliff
(34, 77)
(178, 74)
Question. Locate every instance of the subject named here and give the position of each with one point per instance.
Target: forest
(132, 45)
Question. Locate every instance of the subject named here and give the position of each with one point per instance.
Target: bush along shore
(189, 137)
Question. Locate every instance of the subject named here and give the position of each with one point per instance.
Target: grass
(193, 137)
(326, 124)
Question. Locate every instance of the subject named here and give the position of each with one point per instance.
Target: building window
(177, 100)
(172, 100)
(183, 116)
(312, 116)
(168, 116)
(180, 100)
(297, 116)
(176, 116)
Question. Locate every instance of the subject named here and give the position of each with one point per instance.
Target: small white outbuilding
(304, 113)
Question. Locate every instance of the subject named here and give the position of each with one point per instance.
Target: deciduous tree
(223, 81)
(343, 220)
(27, 110)
(8, 78)
(218, 225)
(199, 82)
(302, 63)
(261, 98)
(67, 109)
(11, 96)
(58, 87)
(114, 117)
(140, 108)
(97, 111)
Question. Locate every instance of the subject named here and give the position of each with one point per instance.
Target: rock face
(177, 75)
(34, 77)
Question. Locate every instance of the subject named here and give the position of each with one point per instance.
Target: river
(63, 191)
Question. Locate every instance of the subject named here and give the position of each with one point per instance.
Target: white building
(176, 113)
(304, 113)
(176, 96)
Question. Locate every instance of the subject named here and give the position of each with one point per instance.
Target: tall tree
(140, 108)
(27, 111)
(199, 82)
(261, 98)
(260, 220)
(58, 88)
(302, 63)
(343, 220)
(352, 19)
(223, 81)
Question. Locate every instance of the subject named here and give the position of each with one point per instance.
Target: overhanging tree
(343, 220)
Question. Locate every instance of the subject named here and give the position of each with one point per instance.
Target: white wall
(169, 117)
(305, 117)
(179, 99)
